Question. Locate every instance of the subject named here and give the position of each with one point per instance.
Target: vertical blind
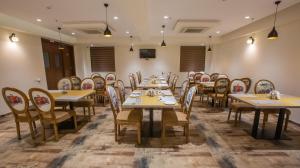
(102, 59)
(192, 58)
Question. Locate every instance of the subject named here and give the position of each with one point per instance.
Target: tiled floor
(214, 143)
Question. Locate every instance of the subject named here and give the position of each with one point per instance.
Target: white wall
(278, 60)
(167, 60)
(21, 64)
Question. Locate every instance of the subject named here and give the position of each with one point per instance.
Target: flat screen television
(147, 53)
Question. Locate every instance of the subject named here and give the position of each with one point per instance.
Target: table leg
(255, 123)
(151, 122)
(279, 124)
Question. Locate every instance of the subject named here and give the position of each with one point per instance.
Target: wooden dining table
(163, 99)
(262, 102)
(155, 83)
(70, 96)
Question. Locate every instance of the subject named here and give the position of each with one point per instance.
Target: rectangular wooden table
(262, 101)
(159, 101)
(155, 83)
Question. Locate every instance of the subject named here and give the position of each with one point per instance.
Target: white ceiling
(143, 18)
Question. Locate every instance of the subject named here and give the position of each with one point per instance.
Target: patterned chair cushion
(238, 86)
(64, 84)
(264, 87)
(87, 84)
(15, 100)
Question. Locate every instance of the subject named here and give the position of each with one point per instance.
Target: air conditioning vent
(91, 31)
(193, 29)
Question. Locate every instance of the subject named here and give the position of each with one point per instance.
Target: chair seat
(60, 116)
(129, 116)
(217, 96)
(84, 103)
(34, 115)
(242, 106)
(172, 116)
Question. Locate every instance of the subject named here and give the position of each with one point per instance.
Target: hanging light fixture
(107, 32)
(209, 48)
(274, 34)
(163, 43)
(131, 46)
(13, 38)
(60, 45)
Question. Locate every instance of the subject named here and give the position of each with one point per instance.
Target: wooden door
(58, 63)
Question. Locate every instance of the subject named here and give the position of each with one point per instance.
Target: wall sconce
(250, 40)
(13, 38)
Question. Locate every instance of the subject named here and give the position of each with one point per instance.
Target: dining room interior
(150, 83)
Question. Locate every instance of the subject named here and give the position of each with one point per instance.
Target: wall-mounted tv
(147, 53)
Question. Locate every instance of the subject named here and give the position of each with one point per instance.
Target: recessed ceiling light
(166, 17)
(161, 31)
(127, 32)
(247, 17)
(73, 33)
(218, 32)
(39, 20)
(92, 45)
(116, 17)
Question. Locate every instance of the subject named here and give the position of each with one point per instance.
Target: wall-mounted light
(107, 32)
(250, 40)
(163, 43)
(274, 34)
(13, 38)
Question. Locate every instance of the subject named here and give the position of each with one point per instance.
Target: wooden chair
(76, 82)
(191, 75)
(222, 76)
(18, 102)
(248, 82)
(121, 90)
(179, 118)
(64, 84)
(110, 77)
(237, 86)
(214, 77)
(44, 103)
(173, 84)
(139, 76)
(168, 78)
(132, 81)
(182, 92)
(100, 87)
(124, 117)
(95, 74)
(203, 92)
(265, 87)
(221, 90)
(89, 102)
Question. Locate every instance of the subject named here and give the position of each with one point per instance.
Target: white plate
(169, 102)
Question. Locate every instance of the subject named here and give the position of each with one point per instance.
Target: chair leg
(236, 116)
(138, 133)
(43, 130)
(31, 130)
(75, 122)
(34, 126)
(163, 133)
(89, 111)
(94, 110)
(55, 131)
(184, 130)
(286, 121)
(187, 134)
(116, 132)
(229, 113)
(18, 129)
(84, 111)
(240, 116)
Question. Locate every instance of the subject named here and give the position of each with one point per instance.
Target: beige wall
(21, 64)
(167, 60)
(277, 60)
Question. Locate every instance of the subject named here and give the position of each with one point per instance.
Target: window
(102, 59)
(192, 58)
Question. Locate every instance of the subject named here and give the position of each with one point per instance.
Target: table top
(263, 101)
(70, 95)
(140, 99)
(160, 83)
